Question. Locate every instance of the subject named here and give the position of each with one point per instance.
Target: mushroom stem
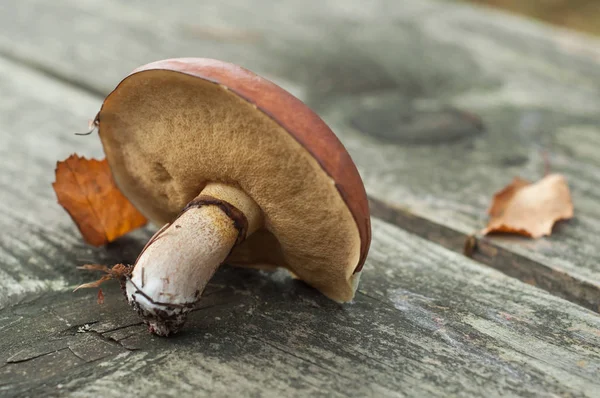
(171, 272)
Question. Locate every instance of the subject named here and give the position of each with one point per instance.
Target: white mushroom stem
(177, 263)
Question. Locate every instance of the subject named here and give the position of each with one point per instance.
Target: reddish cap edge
(366, 239)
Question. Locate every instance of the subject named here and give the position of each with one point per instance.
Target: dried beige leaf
(530, 209)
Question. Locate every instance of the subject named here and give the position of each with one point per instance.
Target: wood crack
(119, 328)
(10, 361)
(109, 340)
(75, 354)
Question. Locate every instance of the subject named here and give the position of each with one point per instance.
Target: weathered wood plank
(426, 322)
(439, 104)
(39, 247)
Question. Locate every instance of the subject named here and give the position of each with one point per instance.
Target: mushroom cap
(172, 126)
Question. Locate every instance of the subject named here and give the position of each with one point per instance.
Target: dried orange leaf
(530, 209)
(87, 191)
(100, 299)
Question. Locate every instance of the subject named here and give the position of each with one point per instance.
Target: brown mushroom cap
(172, 126)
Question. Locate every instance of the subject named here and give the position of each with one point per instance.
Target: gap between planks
(486, 251)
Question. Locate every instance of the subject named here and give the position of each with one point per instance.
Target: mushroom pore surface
(167, 134)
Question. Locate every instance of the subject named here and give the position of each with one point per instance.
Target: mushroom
(235, 169)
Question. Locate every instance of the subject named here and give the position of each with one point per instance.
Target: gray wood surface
(425, 322)
(440, 104)
(39, 249)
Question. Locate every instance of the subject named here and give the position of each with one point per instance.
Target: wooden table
(439, 104)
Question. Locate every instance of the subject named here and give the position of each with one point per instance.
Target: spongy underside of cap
(166, 134)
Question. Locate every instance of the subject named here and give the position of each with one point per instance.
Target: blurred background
(583, 15)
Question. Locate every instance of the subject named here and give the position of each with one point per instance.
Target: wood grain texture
(39, 244)
(440, 105)
(426, 322)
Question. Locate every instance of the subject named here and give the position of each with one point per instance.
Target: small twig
(547, 165)
(92, 125)
(470, 246)
(118, 271)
